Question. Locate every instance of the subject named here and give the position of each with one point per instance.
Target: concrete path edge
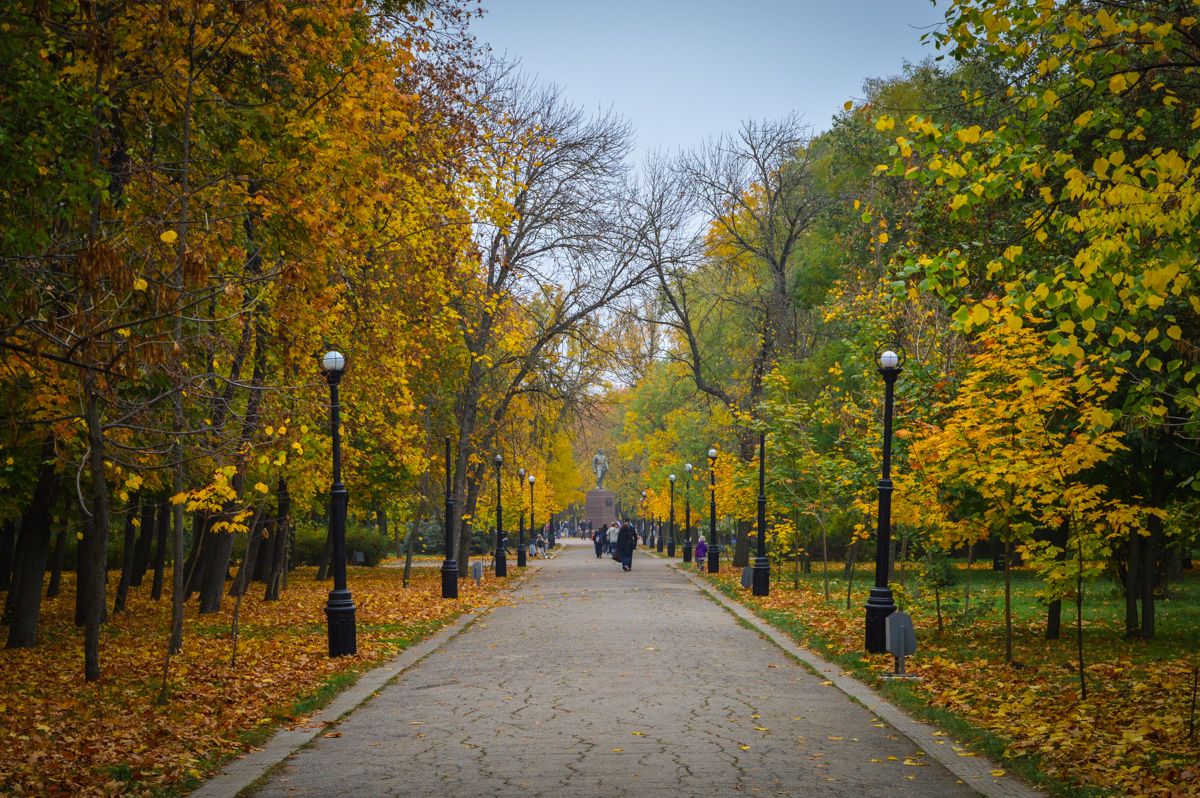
(975, 770)
(245, 770)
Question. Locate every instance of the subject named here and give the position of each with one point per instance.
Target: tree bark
(141, 550)
(32, 548)
(1054, 610)
(127, 556)
(8, 541)
(283, 523)
(94, 550)
(162, 524)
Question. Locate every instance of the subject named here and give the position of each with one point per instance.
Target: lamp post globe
(522, 560)
(671, 518)
(501, 549)
(687, 513)
(339, 609)
(714, 545)
(880, 603)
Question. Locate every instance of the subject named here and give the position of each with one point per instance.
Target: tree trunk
(408, 551)
(162, 524)
(94, 550)
(283, 523)
(216, 571)
(326, 554)
(127, 556)
(56, 560)
(31, 551)
(141, 550)
(10, 599)
(1149, 574)
(254, 547)
(1133, 557)
(1008, 658)
(8, 541)
(1054, 610)
(851, 556)
(741, 551)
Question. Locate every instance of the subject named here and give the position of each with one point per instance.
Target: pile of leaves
(62, 736)
(1132, 734)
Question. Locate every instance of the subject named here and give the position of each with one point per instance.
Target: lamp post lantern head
(712, 454)
(521, 473)
(671, 477)
(499, 459)
(333, 362)
(687, 467)
(889, 360)
(531, 480)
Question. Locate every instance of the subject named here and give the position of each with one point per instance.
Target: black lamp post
(671, 519)
(449, 565)
(880, 603)
(762, 568)
(687, 513)
(714, 545)
(339, 609)
(501, 551)
(532, 528)
(522, 559)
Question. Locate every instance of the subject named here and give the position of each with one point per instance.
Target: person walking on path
(612, 539)
(626, 543)
(701, 552)
(598, 540)
(541, 545)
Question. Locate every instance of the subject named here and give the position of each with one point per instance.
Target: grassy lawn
(1132, 734)
(63, 737)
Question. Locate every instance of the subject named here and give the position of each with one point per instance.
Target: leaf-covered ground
(63, 737)
(1129, 737)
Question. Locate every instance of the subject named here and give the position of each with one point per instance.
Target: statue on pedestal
(600, 467)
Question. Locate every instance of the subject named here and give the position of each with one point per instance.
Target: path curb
(975, 770)
(244, 771)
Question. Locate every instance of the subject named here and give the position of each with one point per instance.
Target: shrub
(310, 540)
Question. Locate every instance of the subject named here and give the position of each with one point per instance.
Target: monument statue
(600, 466)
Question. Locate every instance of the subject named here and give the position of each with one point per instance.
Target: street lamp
(339, 610)
(522, 560)
(687, 514)
(532, 535)
(714, 545)
(671, 520)
(880, 603)
(449, 565)
(762, 569)
(501, 552)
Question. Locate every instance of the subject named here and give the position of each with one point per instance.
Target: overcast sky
(684, 70)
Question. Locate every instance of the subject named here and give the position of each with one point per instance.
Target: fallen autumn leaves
(1131, 735)
(62, 736)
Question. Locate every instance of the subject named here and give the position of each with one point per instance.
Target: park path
(596, 682)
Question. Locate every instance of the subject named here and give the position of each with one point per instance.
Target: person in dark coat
(626, 543)
(598, 540)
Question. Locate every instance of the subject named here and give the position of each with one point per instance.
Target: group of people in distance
(619, 540)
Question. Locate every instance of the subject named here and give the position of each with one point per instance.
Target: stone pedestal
(601, 507)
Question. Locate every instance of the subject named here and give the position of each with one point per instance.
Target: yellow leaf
(848, 104)
(168, 237)
(140, 284)
(997, 772)
(979, 315)
(261, 487)
(1174, 333)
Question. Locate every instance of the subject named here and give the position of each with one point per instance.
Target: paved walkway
(597, 682)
